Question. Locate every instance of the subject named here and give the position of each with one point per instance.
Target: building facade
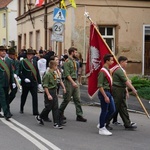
(8, 24)
(124, 24)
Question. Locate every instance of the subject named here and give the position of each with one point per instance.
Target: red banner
(39, 3)
(98, 48)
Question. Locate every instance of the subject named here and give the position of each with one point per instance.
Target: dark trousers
(51, 105)
(12, 94)
(3, 100)
(33, 90)
(107, 109)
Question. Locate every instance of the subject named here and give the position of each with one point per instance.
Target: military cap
(30, 51)
(3, 48)
(11, 51)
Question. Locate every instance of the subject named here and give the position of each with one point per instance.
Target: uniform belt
(74, 79)
(119, 86)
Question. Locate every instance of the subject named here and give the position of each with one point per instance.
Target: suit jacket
(15, 65)
(4, 81)
(26, 72)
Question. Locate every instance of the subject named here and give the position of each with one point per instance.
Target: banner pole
(87, 15)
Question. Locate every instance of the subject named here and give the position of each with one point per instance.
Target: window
(31, 39)
(108, 33)
(24, 39)
(37, 40)
(4, 20)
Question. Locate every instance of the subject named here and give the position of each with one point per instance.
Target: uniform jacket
(4, 81)
(25, 72)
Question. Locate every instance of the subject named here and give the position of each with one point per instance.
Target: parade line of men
(44, 73)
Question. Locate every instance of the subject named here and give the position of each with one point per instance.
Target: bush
(144, 92)
(139, 82)
(142, 85)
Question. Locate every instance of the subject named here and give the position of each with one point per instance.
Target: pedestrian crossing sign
(59, 15)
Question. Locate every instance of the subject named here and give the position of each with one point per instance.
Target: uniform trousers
(75, 93)
(51, 105)
(33, 90)
(4, 100)
(119, 95)
(12, 94)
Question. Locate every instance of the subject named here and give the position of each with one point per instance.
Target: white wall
(12, 23)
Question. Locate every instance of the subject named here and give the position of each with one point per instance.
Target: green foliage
(139, 82)
(142, 85)
(144, 93)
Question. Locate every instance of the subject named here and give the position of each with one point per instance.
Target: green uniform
(70, 69)
(119, 95)
(15, 68)
(6, 79)
(102, 81)
(29, 70)
(50, 81)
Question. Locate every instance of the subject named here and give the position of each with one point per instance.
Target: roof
(4, 3)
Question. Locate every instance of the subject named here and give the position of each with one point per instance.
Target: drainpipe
(45, 24)
(6, 26)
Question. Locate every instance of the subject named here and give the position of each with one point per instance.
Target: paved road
(133, 103)
(23, 132)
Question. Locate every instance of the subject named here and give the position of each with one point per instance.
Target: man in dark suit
(48, 55)
(15, 67)
(30, 81)
(6, 80)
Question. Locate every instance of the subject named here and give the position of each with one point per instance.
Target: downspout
(45, 24)
(6, 26)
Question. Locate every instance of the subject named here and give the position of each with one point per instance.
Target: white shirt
(42, 64)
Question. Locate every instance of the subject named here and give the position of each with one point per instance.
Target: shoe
(39, 120)
(104, 131)
(57, 126)
(63, 122)
(7, 117)
(131, 126)
(47, 120)
(63, 117)
(117, 123)
(98, 126)
(21, 112)
(1, 116)
(109, 127)
(80, 118)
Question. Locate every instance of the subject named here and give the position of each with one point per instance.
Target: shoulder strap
(32, 68)
(5, 67)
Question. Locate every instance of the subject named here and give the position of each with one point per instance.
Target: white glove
(40, 86)
(15, 76)
(13, 85)
(27, 80)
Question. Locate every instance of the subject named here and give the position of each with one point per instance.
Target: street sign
(58, 28)
(56, 37)
(59, 15)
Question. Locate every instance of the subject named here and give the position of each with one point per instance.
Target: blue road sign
(59, 15)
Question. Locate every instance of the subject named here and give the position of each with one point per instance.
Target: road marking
(24, 134)
(51, 145)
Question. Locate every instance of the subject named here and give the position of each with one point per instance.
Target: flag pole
(87, 15)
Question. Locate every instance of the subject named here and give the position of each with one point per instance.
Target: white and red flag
(39, 3)
(97, 49)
